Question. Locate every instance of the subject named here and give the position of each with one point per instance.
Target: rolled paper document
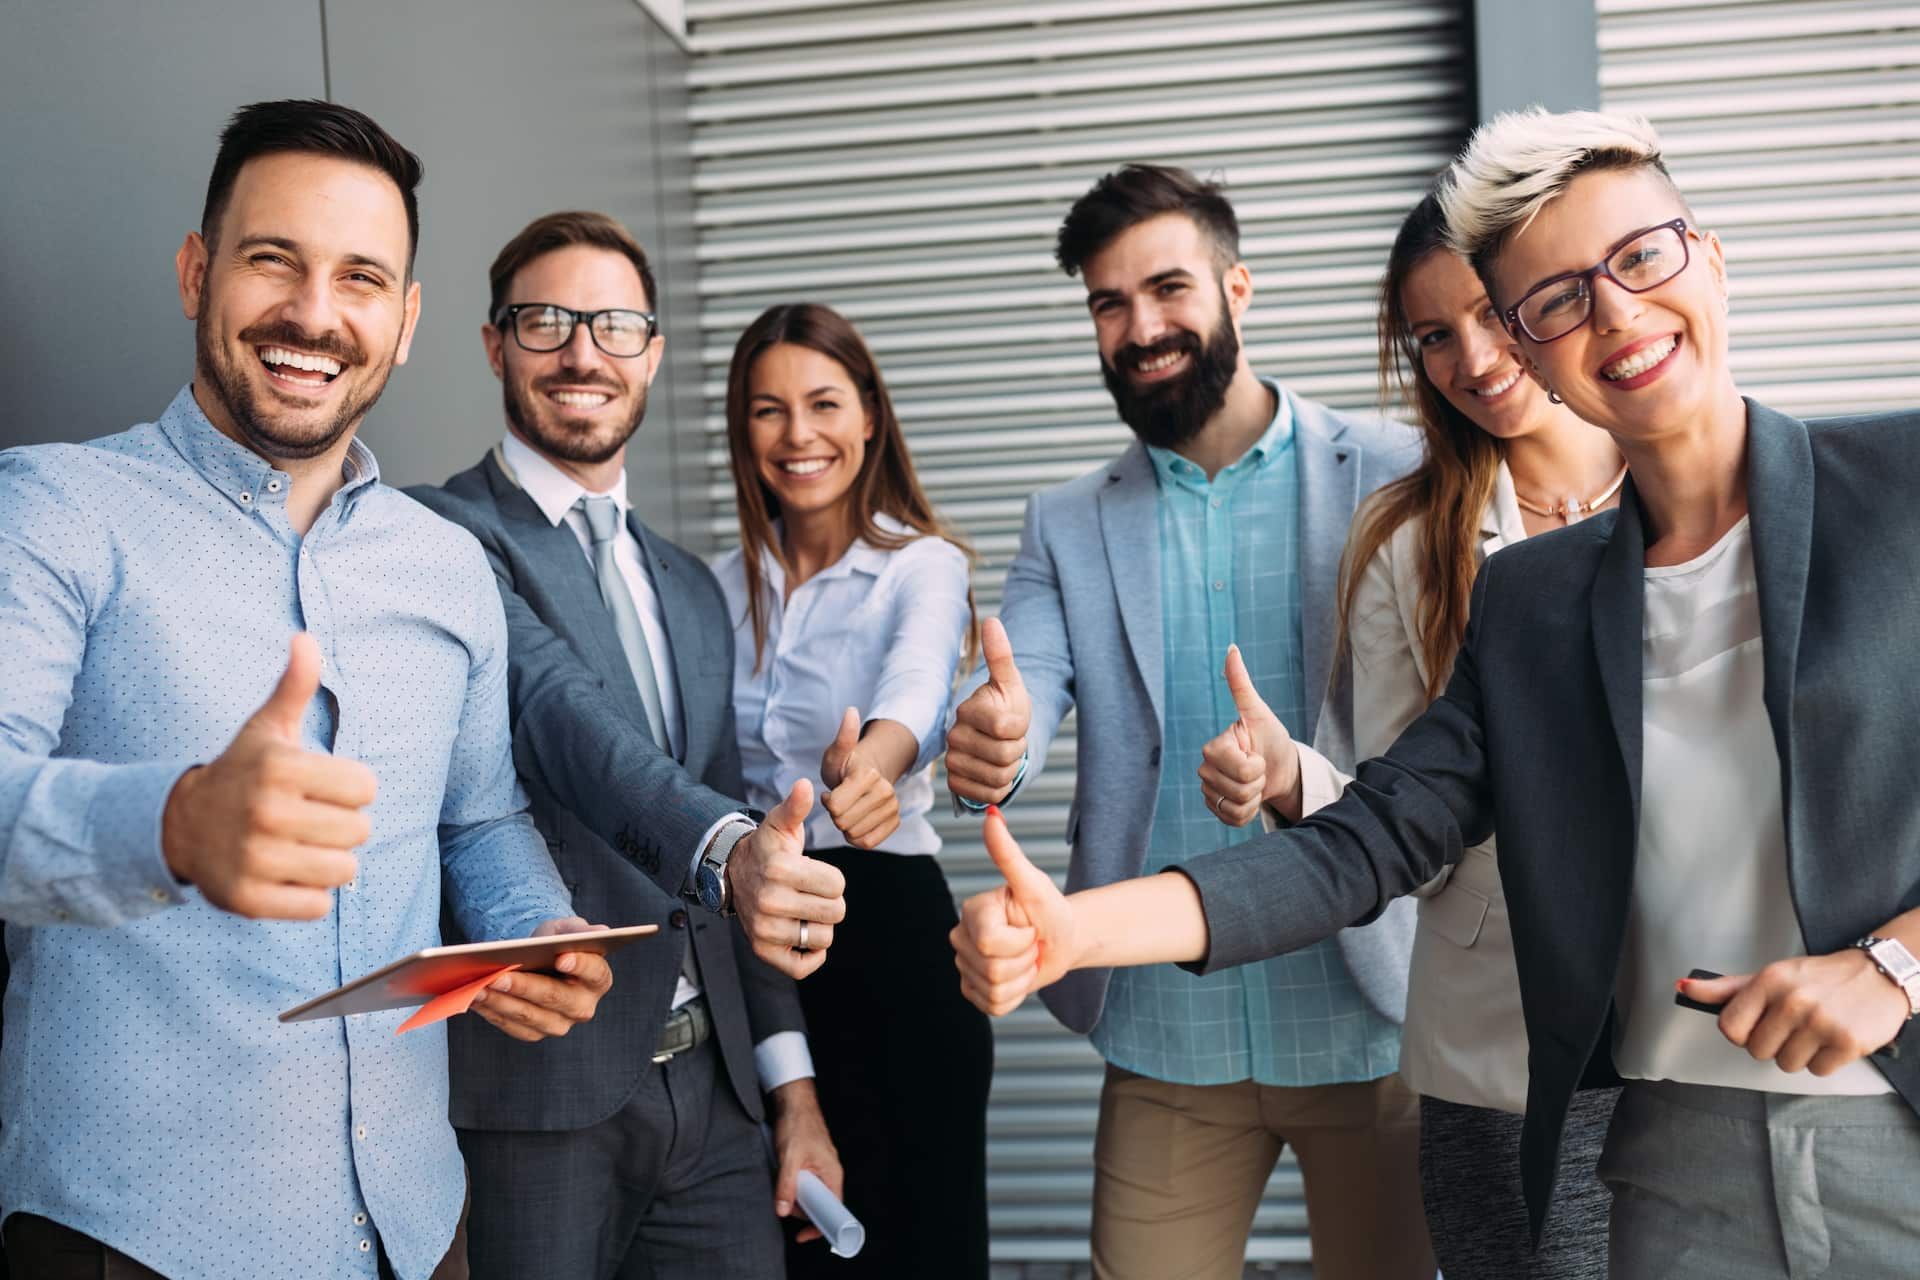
(843, 1231)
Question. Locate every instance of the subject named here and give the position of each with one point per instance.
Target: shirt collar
(552, 490)
(1274, 441)
(239, 472)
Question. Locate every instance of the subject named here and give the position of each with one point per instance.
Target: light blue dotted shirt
(1230, 574)
(148, 1097)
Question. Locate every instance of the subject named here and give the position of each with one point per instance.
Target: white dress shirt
(1464, 1040)
(879, 631)
(1710, 876)
(783, 1056)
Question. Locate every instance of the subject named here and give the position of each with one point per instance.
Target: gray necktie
(603, 524)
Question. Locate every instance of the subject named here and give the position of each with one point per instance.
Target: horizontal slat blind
(908, 163)
(1794, 128)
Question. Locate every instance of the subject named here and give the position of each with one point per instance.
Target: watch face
(707, 883)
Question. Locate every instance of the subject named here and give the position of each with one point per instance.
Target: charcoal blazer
(621, 815)
(1539, 736)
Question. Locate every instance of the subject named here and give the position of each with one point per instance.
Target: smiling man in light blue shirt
(200, 827)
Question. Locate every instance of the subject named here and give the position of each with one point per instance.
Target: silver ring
(803, 938)
(1217, 802)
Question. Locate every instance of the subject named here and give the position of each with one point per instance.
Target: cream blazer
(1464, 1038)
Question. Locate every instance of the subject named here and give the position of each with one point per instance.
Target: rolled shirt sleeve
(931, 614)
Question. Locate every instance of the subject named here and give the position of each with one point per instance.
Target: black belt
(685, 1029)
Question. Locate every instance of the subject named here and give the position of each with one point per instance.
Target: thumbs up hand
(1254, 760)
(1014, 939)
(788, 903)
(861, 803)
(267, 828)
(989, 733)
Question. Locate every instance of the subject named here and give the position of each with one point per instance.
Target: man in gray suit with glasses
(636, 1148)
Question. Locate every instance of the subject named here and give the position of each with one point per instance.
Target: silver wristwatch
(1892, 958)
(710, 887)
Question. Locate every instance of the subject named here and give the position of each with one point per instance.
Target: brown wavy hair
(1450, 488)
(885, 485)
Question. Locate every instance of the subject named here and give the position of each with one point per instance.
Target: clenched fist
(861, 800)
(989, 733)
(267, 829)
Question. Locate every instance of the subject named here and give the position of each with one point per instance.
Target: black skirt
(903, 1067)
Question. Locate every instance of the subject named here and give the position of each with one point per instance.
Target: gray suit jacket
(1539, 736)
(1082, 608)
(621, 816)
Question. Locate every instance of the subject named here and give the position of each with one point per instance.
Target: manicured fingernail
(1681, 986)
(782, 1208)
(503, 983)
(566, 964)
(993, 811)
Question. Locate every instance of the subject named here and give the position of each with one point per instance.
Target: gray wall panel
(112, 114)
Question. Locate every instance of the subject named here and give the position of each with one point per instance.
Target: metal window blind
(1794, 128)
(908, 163)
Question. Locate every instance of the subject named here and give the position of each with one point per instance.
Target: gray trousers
(675, 1184)
(1732, 1184)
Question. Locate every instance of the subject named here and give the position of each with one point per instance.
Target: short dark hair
(313, 127)
(1132, 194)
(560, 231)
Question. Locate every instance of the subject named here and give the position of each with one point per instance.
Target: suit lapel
(1329, 491)
(566, 575)
(1617, 606)
(1130, 531)
(681, 614)
(1780, 505)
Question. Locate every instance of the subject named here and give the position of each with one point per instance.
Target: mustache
(284, 333)
(550, 381)
(1132, 356)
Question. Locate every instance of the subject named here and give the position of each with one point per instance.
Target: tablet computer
(415, 979)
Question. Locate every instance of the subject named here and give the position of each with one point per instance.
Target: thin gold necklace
(1570, 509)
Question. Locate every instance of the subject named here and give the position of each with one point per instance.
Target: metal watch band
(1897, 965)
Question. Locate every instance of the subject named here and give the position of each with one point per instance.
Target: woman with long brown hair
(853, 613)
(1504, 460)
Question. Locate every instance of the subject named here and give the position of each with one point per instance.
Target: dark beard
(261, 429)
(585, 449)
(1169, 414)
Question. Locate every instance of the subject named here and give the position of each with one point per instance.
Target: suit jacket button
(1153, 758)
(678, 919)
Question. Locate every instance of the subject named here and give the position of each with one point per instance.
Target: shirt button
(245, 497)
(359, 1219)
(361, 1132)
(366, 1246)
(352, 885)
(1215, 503)
(159, 895)
(1219, 585)
(273, 486)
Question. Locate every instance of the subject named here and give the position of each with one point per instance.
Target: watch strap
(1898, 965)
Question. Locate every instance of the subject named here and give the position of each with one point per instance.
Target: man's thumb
(1246, 698)
(790, 816)
(1029, 883)
(849, 736)
(287, 705)
(998, 651)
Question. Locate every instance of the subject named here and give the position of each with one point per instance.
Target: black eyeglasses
(1644, 260)
(542, 327)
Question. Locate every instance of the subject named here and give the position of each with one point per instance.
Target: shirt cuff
(1320, 783)
(129, 878)
(963, 806)
(782, 1058)
(707, 841)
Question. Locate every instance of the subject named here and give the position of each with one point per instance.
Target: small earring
(1553, 397)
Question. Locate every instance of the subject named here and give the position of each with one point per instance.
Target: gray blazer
(1082, 609)
(1539, 735)
(621, 816)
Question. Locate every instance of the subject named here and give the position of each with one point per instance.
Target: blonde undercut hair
(1519, 161)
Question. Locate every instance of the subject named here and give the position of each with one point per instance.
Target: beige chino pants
(1179, 1171)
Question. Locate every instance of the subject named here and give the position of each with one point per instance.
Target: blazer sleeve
(567, 737)
(1406, 816)
(773, 999)
(1035, 617)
